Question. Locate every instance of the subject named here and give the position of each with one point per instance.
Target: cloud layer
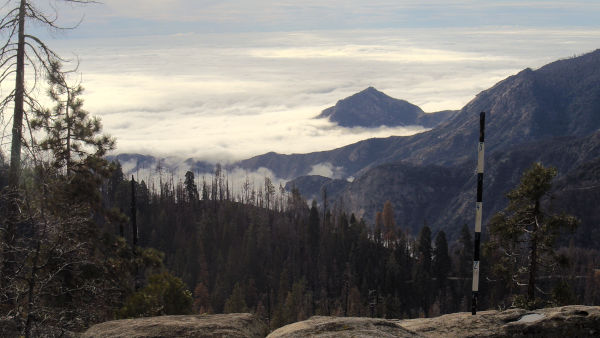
(225, 80)
(230, 96)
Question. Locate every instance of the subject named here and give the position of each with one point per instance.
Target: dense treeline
(265, 250)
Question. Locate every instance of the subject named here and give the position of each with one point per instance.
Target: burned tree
(19, 50)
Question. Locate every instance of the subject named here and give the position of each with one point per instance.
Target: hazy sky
(229, 79)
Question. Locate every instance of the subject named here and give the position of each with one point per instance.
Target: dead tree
(21, 51)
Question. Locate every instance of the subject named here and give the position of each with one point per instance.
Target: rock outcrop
(567, 321)
(319, 326)
(558, 322)
(221, 325)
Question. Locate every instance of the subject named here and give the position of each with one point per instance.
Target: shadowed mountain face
(444, 197)
(372, 108)
(313, 186)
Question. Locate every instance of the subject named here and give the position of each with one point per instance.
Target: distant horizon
(225, 81)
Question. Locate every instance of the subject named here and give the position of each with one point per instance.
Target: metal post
(478, 214)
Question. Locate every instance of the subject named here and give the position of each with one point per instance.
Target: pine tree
(61, 252)
(526, 231)
(190, 187)
(74, 139)
(236, 303)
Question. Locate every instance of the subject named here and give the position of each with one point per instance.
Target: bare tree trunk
(69, 127)
(532, 271)
(8, 258)
(15, 153)
(533, 255)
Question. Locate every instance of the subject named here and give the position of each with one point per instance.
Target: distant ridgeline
(550, 115)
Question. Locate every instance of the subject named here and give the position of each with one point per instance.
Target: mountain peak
(371, 89)
(372, 108)
(372, 93)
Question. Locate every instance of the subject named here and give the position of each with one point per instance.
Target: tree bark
(533, 254)
(8, 267)
(17, 129)
(532, 271)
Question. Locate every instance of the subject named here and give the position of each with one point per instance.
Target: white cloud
(231, 96)
(228, 96)
(327, 169)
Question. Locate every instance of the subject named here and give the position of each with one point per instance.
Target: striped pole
(478, 212)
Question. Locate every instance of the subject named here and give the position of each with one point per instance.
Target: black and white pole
(478, 213)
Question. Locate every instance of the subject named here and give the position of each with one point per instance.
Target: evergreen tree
(236, 303)
(71, 134)
(526, 231)
(165, 294)
(62, 254)
(190, 187)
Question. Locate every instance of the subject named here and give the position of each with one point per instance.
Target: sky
(230, 79)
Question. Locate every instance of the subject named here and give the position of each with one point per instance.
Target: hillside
(443, 196)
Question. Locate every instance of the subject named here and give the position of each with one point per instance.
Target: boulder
(559, 322)
(220, 325)
(319, 326)
(566, 321)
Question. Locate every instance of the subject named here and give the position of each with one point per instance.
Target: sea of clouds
(230, 96)
(221, 81)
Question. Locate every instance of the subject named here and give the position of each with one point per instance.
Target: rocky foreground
(222, 325)
(567, 321)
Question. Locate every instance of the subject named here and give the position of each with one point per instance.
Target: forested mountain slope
(443, 197)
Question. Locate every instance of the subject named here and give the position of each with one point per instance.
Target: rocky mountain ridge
(371, 108)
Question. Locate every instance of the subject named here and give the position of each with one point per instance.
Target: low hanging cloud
(174, 169)
(327, 169)
(222, 97)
